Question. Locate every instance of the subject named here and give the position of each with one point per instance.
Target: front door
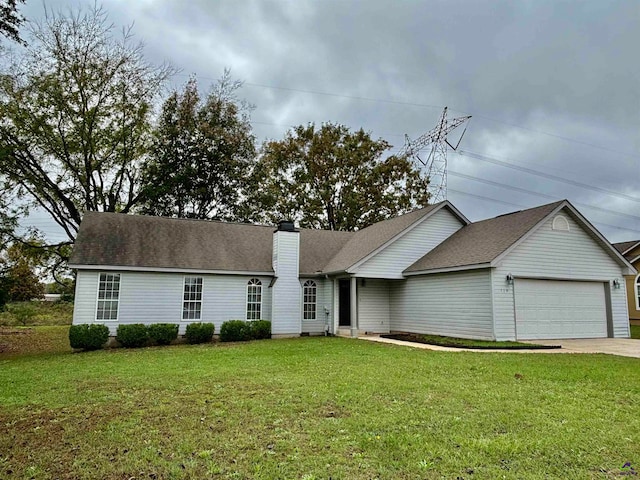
(345, 302)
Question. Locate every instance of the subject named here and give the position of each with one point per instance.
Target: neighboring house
(631, 251)
(516, 276)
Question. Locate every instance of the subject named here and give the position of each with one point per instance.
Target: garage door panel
(559, 309)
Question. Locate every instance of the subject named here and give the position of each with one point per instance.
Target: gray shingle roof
(481, 242)
(624, 246)
(159, 242)
(365, 241)
(145, 241)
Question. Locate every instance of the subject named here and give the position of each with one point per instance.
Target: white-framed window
(108, 297)
(192, 298)
(637, 290)
(309, 300)
(254, 299)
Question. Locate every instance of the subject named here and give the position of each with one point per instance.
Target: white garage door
(555, 309)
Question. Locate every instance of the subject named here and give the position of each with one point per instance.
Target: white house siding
(149, 297)
(287, 302)
(323, 298)
(373, 305)
(456, 304)
(561, 255)
(413, 245)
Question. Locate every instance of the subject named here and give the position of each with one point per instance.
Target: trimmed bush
(235, 331)
(260, 329)
(88, 337)
(199, 332)
(163, 333)
(133, 335)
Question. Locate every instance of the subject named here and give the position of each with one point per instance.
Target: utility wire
(495, 200)
(495, 161)
(425, 105)
(531, 192)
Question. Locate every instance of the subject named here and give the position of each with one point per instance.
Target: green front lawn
(635, 331)
(317, 408)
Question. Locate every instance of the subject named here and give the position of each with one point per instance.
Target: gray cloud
(535, 75)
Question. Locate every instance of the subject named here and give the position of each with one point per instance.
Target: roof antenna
(435, 164)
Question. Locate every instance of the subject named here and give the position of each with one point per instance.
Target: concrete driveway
(625, 347)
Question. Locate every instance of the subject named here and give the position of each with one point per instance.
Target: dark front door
(345, 302)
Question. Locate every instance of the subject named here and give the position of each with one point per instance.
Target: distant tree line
(79, 132)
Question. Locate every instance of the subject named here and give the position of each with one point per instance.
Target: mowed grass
(317, 408)
(635, 331)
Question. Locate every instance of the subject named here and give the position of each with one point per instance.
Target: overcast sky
(553, 86)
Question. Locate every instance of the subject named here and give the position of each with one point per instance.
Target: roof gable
(484, 243)
(481, 242)
(367, 242)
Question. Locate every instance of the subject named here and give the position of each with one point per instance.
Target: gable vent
(560, 223)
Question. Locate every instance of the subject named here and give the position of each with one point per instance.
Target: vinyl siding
(413, 245)
(561, 255)
(456, 304)
(147, 297)
(286, 291)
(322, 300)
(373, 306)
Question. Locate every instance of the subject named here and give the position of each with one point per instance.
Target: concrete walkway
(625, 347)
(615, 346)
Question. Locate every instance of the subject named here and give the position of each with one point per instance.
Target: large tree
(201, 154)
(333, 178)
(19, 278)
(10, 19)
(75, 110)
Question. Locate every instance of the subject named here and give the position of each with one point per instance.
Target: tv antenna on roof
(435, 163)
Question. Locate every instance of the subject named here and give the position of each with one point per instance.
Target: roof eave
(635, 245)
(130, 268)
(459, 268)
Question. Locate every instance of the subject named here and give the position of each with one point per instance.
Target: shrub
(23, 312)
(88, 337)
(235, 331)
(199, 332)
(133, 335)
(163, 333)
(260, 329)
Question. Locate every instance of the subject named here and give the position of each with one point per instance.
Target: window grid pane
(254, 299)
(192, 298)
(108, 296)
(309, 300)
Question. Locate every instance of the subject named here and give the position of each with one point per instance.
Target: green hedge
(260, 329)
(163, 333)
(88, 336)
(199, 332)
(132, 335)
(240, 331)
(235, 331)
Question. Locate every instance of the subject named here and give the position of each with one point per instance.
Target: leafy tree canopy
(201, 154)
(333, 178)
(10, 19)
(19, 271)
(75, 110)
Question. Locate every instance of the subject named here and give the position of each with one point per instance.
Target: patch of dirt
(332, 410)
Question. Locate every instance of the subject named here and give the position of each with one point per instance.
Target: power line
(439, 107)
(495, 161)
(495, 200)
(544, 195)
